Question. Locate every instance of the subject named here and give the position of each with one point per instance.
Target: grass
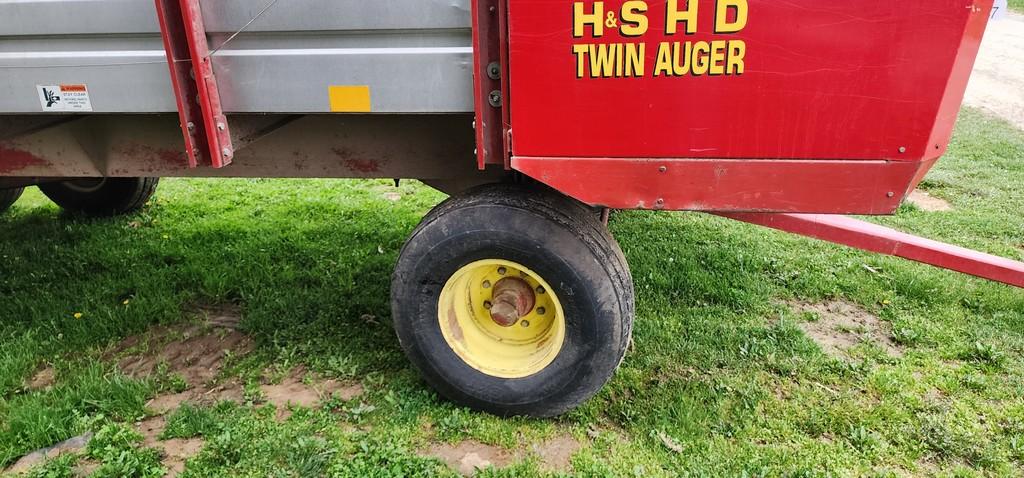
(1017, 5)
(721, 381)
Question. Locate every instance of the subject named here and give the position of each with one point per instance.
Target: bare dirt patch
(929, 203)
(174, 452)
(556, 454)
(43, 379)
(150, 429)
(195, 352)
(72, 445)
(85, 468)
(467, 457)
(296, 391)
(842, 325)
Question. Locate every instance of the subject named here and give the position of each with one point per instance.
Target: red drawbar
(872, 237)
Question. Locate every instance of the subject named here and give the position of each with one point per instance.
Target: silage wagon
(535, 115)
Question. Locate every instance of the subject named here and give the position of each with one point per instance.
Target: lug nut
(488, 304)
(540, 289)
(541, 310)
(502, 271)
(487, 284)
(525, 323)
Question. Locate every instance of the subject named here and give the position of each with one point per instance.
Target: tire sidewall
(8, 197)
(114, 196)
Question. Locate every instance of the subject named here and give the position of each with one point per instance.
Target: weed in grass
(60, 467)
(985, 354)
(118, 448)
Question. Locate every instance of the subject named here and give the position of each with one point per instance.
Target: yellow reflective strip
(350, 99)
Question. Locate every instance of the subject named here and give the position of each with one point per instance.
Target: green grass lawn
(721, 379)
(1017, 5)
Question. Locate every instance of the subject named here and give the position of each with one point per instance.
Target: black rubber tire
(112, 197)
(558, 238)
(8, 197)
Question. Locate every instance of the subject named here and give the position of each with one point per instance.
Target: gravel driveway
(997, 84)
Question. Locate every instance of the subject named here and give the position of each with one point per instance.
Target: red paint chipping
(171, 160)
(358, 165)
(362, 165)
(12, 160)
(177, 158)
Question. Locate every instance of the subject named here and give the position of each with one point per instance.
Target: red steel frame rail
(490, 83)
(203, 123)
(872, 237)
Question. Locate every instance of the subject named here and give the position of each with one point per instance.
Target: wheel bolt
(541, 310)
(540, 289)
(525, 323)
(502, 271)
(488, 304)
(487, 284)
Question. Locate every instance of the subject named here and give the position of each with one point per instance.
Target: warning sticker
(64, 97)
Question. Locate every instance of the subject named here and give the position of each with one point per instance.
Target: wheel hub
(513, 300)
(501, 318)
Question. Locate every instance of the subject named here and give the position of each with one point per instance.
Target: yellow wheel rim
(519, 350)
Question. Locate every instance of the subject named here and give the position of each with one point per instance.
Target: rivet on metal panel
(890, 194)
(494, 98)
(494, 71)
(191, 126)
(903, 150)
(226, 152)
(660, 203)
(220, 126)
(663, 169)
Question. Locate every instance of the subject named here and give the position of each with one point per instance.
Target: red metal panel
(857, 79)
(875, 238)
(204, 125)
(957, 84)
(834, 187)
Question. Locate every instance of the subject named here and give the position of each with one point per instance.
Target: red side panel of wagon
(738, 105)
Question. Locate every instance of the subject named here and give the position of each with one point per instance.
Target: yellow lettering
(635, 55)
(664, 63)
(581, 61)
(634, 20)
(700, 58)
(603, 61)
(737, 50)
(722, 23)
(682, 58)
(581, 19)
(717, 62)
(674, 16)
